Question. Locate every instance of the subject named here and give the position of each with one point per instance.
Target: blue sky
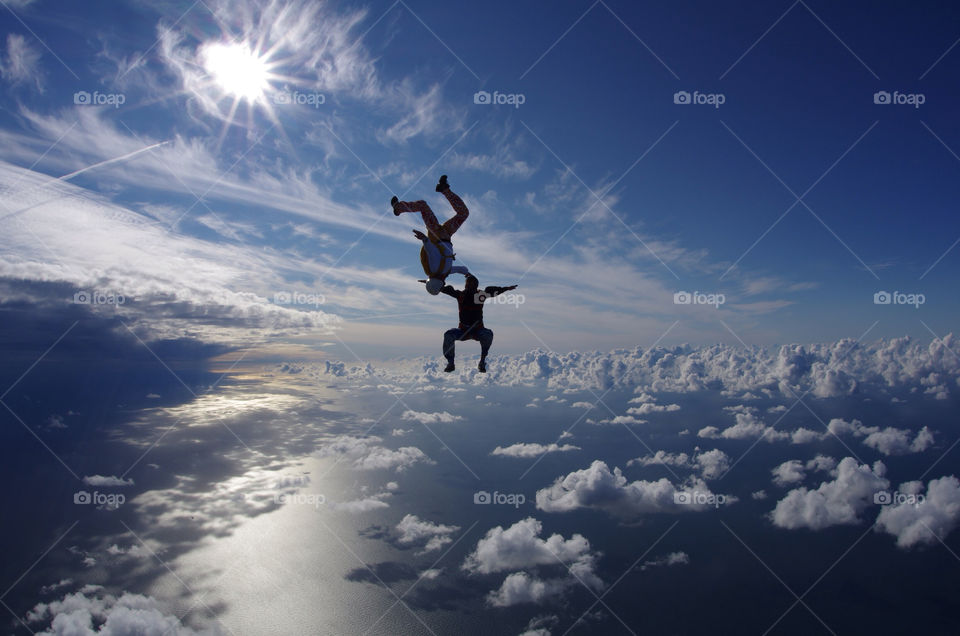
(599, 194)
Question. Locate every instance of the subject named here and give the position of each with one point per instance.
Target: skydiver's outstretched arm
(450, 291)
(493, 290)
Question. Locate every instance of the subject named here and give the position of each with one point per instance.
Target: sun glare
(237, 70)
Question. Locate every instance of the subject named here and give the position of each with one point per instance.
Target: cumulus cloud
(794, 471)
(621, 419)
(789, 472)
(806, 436)
(75, 614)
(520, 587)
(924, 518)
(430, 418)
(532, 450)
(711, 464)
(598, 488)
(647, 404)
(888, 441)
(366, 504)
(412, 530)
(830, 369)
(520, 548)
(748, 426)
(835, 502)
(368, 454)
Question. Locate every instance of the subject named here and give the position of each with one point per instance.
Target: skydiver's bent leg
(452, 225)
(429, 218)
(485, 336)
(450, 338)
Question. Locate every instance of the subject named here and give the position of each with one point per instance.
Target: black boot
(442, 185)
(482, 367)
(449, 367)
(393, 204)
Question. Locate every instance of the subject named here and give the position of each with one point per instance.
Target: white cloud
(532, 450)
(840, 501)
(623, 419)
(888, 441)
(748, 426)
(495, 164)
(806, 436)
(135, 550)
(674, 558)
(599, 488)
(53, 587)
(822, 463)
(711, 464)
(106, 481)
(21, 64)
(540, 625)
(75, 614)
(520, 587)
(178, 284)
(926, 522)
(789, 472)
(368, 454)
(412, 530)
(366, 504)
(789, 370)
(647, 408)
(520, 547)
(430, 418)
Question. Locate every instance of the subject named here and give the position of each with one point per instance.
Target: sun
(237, 70)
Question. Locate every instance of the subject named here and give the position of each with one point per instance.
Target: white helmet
(434, 285)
